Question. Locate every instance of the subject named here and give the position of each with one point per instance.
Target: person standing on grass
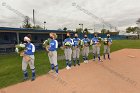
(67, 45)
(30, 49)
(107, 44)
(94, 41)
(52, 53)
(76, 49)
(85, 48)
(96, 44)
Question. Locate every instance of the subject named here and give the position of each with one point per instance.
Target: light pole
(94, 28)
(82, 26)
(44, 25)
(103, 26)
(138, 29)
(34, 17)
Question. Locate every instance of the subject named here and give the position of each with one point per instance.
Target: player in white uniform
(52, 53)
(67, 45)
(30, 49)
(96, 47)
(76, 49)
(107, 44)
(85, 48)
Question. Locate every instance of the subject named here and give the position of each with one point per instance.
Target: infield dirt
(121, 74)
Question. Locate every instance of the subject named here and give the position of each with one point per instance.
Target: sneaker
(100, 60)
(93, 59)
(78, 64)
(25, 78)
(86, 61)
(68, 68)
(51, 71)
(33, 78)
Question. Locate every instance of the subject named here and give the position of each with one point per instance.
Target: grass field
(10, 64)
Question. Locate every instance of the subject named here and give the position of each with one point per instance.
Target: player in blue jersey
(67, 45)
(85, 48)
(30, 49)
(107, 44)
(96, 47)
(52, 52)
(76, 49)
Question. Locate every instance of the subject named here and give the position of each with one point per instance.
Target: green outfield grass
(10, 64)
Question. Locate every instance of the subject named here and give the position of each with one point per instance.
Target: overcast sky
(64, 13)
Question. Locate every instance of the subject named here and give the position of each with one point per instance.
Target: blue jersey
(109, 40)
(86, 41)
(30, 49)
(53, 45)
(76, 41)
(69, 40)
(94, 40)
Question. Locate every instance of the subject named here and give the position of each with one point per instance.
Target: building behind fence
(9, 37)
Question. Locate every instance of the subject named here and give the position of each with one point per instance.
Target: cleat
(86, 61)
(100, 60)
(33, 78)
(25, 78)
(93, 59)
(68, 68)
(51, 71)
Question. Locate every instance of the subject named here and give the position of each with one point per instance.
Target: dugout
(9, 37)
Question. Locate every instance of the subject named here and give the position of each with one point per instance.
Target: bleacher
(7, 48)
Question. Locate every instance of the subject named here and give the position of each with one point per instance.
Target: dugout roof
(29, 30)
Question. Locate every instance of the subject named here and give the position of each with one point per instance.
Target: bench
(7, 47)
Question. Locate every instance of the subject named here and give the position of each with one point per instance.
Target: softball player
(52, 52)
(107, 44)
(30, 49)
(85, 49)
(76, 50)
(68, 42)
(96, 47)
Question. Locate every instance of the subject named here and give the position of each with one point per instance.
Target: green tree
(78, 30)
(103, 31)
(131, 29)
(86, 31)
(38, 27)
(65, 29)
(26, 22)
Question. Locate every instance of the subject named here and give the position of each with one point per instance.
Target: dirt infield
(121, 74)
